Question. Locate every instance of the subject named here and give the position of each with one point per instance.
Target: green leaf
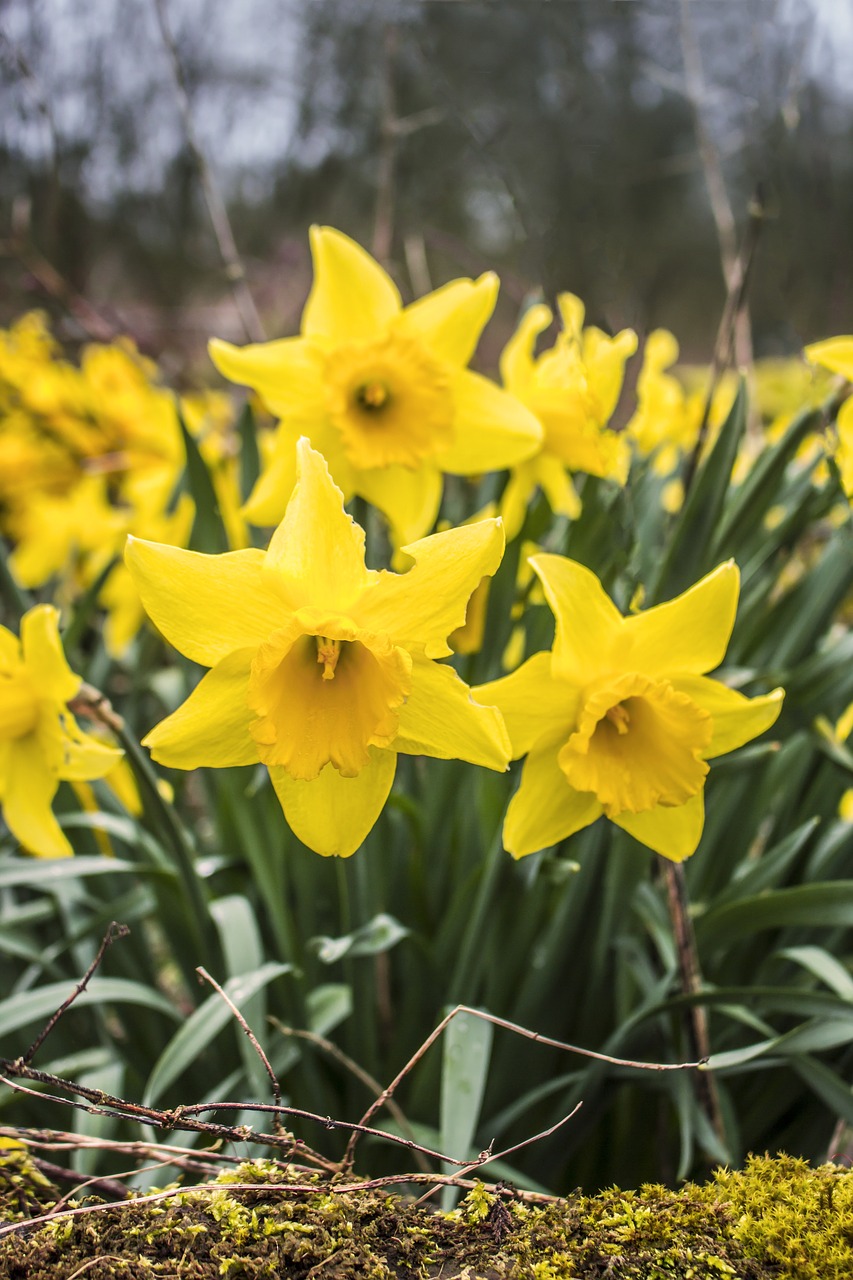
(38, 1005)
(250, 458)
(821, 905)
(465, 1065)
(203, 1025)
(808, 1038)
(45, 873)
(379, 934)
(689, 556)
(208, 531)
(824, 966)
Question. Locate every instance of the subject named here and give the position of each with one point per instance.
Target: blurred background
(607, 147)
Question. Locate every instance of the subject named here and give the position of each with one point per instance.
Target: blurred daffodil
(619, 718)
(40, 741)
(322, 669)
(381, 390)
(572, 388)
(836, 355)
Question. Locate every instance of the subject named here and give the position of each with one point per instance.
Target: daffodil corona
(40, 742)
(620, 719)
(321, 669)
(382, 391)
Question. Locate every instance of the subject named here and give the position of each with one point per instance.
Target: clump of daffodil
(620, 718)
(40, 741)
(321, 669)
(836, 355)
(381, 390)
(572, 388)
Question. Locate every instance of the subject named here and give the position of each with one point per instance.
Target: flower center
(638, 743)
(390, 400)
(324, 691)
(18, 706)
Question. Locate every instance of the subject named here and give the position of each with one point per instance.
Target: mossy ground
(778, 1218)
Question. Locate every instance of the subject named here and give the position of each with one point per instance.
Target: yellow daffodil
(836, 355)
(619, 718)
(666, 420)
(381, 390)
(572, 389)
(321, 669)
(40, 742)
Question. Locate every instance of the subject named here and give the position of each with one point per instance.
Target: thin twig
(696, 1017)
(509, 1026)
(113, 932)
(253, 1040)
(94, 705)
(328, 1046)
(220, 221)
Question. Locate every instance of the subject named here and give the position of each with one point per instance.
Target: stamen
(372, 395)
(328, 652)
(619, 716)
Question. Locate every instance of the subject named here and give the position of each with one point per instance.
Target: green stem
(473, 943)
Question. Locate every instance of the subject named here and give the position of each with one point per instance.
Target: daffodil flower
(836, 355)
(40, 741)
(381, 390)
(572, 388)
(620, 718)
(321, 669)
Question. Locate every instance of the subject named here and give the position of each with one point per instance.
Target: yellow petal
(736, 719)
(409, 499)
(422, 607)
(545, 809)
(557, 486)
(316, 555)
(442, 719)
(688, 634)
(29, 791)
(331, 814)
(72, 754)
(352, 297)
(835, 354)
(267, 502)
(517, 362)
(287, 374)
(451, 319)
(674, 833)
(532, 703)
(206, 606)
(211, 729)
(44, 657)
(493, 429)
(572, 312)
(588, 622)
(516, 496)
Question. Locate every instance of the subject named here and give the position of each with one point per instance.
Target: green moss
(778, 1219)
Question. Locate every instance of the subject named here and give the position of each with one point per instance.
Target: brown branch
(312, 1037)
(94, 705)
(253, 1040)
(234, 269)
(113, 932)
(509, 1026)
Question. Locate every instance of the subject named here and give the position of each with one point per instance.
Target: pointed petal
(736, 719)
(516, 496)
(835, 354)
(557, 486)
(688, 634)
(331, 814)
(533, 704)
(408, 499)
(493, 429)
(517, 362)
(588, 622)
(268, 500)
(674, 833)
(545, 809)
(44, 657)
(451, 319)
(206, 606)
(211, 729)
(423, 606)
(441, 718)
(72, 754)
(317, 552)
(287, 374)
(30, 788)
(352, 298)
